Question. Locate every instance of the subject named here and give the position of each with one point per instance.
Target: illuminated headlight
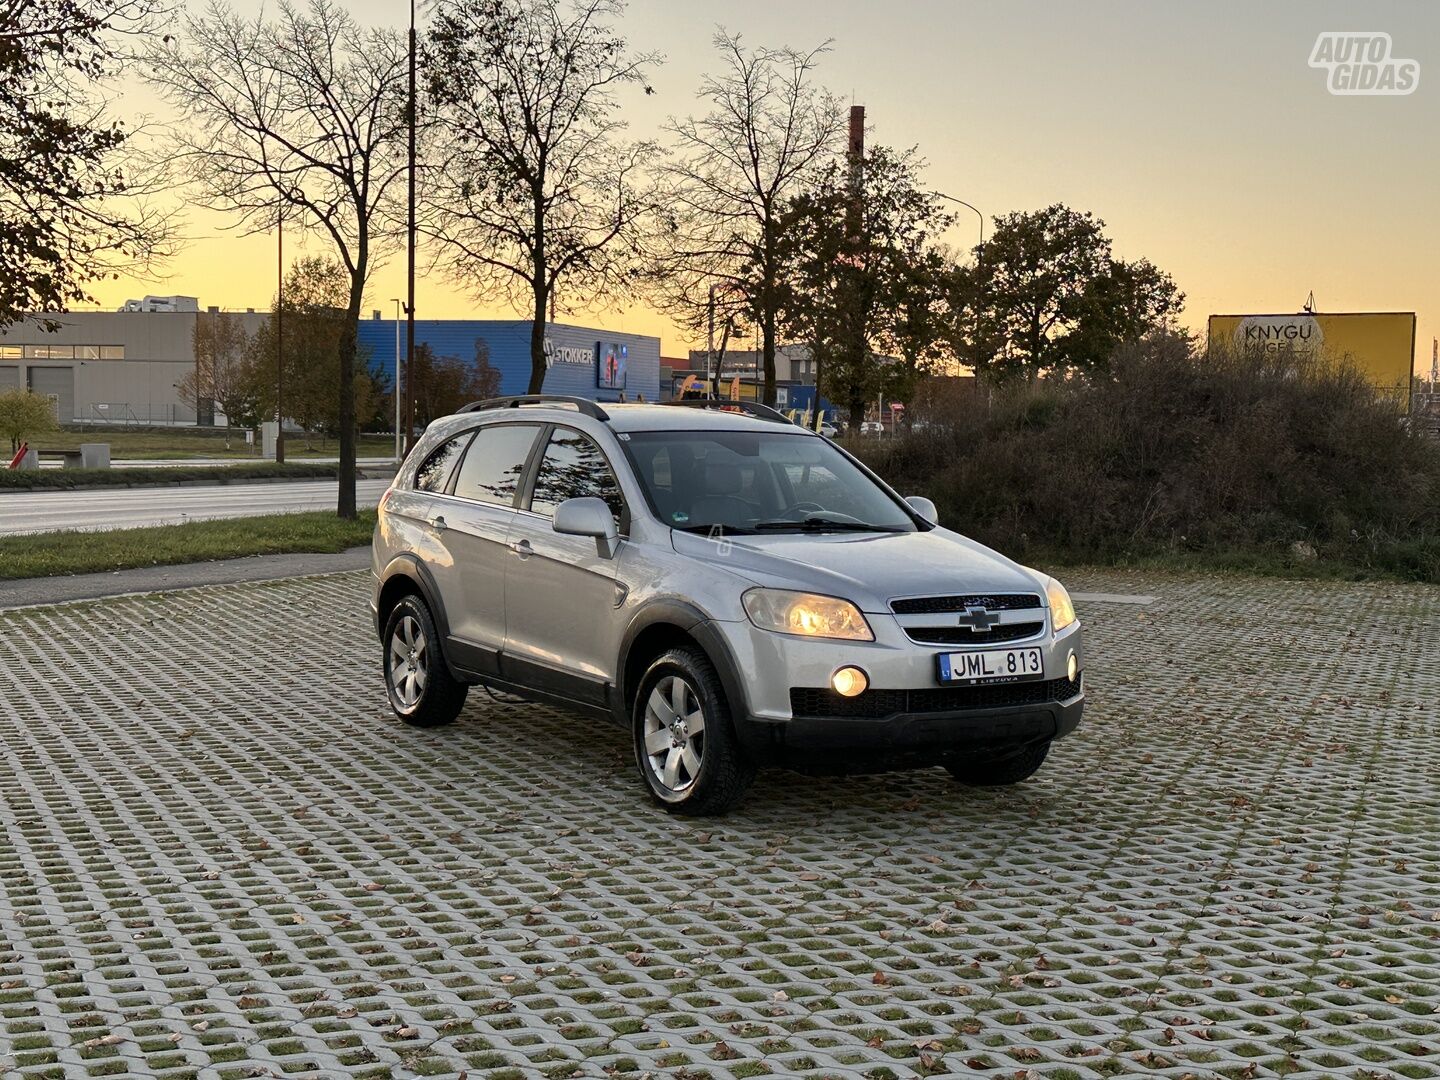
(1062, 611)
(849, 681)
(1072, 666)
(806, 615)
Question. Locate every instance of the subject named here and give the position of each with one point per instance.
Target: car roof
(637, 416)
(645, 417)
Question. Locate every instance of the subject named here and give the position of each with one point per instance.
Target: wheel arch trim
(694, 623)
(411, 568)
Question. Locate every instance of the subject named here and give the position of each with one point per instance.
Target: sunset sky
(1198, 132)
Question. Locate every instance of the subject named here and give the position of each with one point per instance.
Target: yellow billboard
(1379, 343)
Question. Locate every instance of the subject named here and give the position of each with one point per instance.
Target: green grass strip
(52, 554)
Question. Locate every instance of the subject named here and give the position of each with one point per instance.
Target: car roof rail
(750, 408)
(581, 404)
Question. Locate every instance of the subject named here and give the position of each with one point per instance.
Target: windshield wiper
(820, 524)
(714, 531)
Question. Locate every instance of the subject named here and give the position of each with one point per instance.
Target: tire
(690, 771)
(418, 682)
(1000, 770)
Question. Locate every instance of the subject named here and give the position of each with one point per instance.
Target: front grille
(940, 605)
(874, 704)
(962, 635)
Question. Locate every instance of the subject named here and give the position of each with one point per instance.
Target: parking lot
(224, 858)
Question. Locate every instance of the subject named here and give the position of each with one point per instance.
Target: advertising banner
(1380, 344)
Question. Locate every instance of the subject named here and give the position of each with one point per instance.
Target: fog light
(849, 681)
(1072, 667)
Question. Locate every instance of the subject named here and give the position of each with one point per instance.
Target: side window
(574, 467)
(490, 471)
(434, 472)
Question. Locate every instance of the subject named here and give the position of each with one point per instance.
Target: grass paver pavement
(224, 858)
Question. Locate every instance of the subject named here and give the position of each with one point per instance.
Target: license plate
(991, 666)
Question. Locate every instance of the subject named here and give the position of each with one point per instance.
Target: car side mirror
(924, 507)
(589, 516)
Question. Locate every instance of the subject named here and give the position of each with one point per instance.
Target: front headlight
(806, 615)
(1062, 610)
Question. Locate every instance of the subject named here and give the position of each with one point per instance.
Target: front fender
(707, 634)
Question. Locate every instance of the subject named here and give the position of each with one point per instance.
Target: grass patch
(62, 479)
(52, 554)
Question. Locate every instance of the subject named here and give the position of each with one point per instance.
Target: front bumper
(785, 716)
(862, 744)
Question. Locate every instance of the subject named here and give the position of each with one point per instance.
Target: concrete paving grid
(224, 859)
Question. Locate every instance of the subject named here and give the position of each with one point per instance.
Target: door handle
(522, 548)
(438, 523)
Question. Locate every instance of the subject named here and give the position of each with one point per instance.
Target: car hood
(867, 568)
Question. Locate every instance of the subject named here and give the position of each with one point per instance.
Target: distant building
(163, 303)
(126, 367)
(122, 367)
(793, 363)
(599, 364)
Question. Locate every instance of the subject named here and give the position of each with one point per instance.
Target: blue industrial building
(598, 364)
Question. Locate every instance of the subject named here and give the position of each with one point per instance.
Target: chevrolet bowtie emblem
(978, 619)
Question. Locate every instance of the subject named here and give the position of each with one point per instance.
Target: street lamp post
(280, 336)
(978, 214)
(410, 246)
(399, 450)
(980, 256)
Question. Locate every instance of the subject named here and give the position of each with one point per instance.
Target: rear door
(475, 522)
(561, 634)
(408, 523)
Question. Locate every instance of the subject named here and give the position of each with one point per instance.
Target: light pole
(979, 258)
(410, 246)
(399, 450)
(978, 214)
(280, 335)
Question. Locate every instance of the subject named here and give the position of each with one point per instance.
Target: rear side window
(434, 472)
(574, 467)
(491, 469)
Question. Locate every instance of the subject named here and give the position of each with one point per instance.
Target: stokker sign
(566, 354)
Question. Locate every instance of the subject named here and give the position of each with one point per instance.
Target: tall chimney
(856, 155)
(857, 131)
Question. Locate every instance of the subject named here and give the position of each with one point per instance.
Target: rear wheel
(1000, 769)
(422, 691)
(685, 745)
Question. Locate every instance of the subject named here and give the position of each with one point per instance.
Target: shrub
(24, 415)
(1217, 457)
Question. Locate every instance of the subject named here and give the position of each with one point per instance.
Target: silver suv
(734, 590)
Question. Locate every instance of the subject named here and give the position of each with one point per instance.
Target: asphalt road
(128, 508)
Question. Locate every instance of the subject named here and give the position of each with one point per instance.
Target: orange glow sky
(1198, 132)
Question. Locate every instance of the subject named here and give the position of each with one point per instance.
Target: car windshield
(738, 482)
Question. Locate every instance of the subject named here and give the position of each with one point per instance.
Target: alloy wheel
(409, 661)
(674, 734)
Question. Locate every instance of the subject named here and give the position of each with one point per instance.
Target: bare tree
(72, 203)
(728, 187)
(306, 113)
(224, 375)
(538, 187)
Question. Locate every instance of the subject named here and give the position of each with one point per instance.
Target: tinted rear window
(494, 463)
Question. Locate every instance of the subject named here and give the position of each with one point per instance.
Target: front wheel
(685, 745)
(1000, 770)
(422, 691)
